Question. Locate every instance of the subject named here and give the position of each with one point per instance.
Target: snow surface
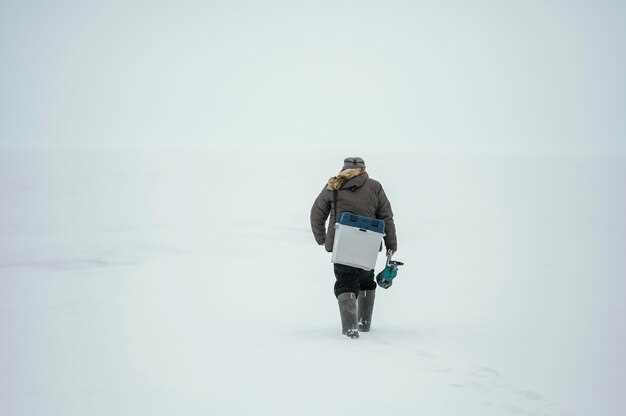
(188, 282)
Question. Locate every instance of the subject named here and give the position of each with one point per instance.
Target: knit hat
(353, 163)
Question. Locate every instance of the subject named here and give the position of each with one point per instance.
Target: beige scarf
(336, 182)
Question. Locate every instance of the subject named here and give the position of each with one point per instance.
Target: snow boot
(347, 310)
(366, 307)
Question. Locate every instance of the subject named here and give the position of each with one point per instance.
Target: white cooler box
(357, 240)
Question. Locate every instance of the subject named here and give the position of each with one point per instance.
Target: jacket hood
(347, 179)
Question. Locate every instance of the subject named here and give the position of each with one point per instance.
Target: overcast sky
(538, 77)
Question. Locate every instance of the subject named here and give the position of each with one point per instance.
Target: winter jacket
(360, 195)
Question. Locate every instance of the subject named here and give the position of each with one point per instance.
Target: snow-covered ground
(188, 282)
(177, 275)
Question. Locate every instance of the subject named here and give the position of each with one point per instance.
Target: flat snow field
(189, 283)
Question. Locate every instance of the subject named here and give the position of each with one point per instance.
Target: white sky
(502, 77)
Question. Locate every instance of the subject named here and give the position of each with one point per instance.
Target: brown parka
(360, 195)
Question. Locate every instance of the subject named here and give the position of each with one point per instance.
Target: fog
(421, 76)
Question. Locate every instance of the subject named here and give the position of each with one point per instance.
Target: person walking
(352, 190)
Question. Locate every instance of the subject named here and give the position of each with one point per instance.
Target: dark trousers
(353, 279)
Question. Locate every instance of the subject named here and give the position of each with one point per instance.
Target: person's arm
(384, 212)
(319, 214)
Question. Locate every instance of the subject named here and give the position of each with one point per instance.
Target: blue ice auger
(386, 276)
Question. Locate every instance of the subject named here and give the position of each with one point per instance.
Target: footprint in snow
(530, 395)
